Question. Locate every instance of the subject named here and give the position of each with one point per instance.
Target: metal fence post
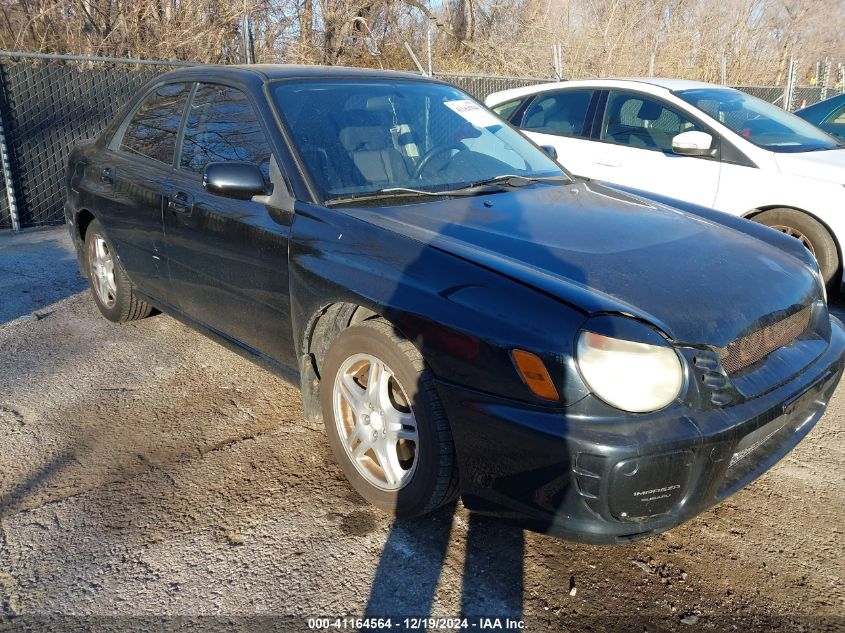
(789, 88)
(825, 79)
(248, 42)
(724, 69)
(557, 60)
(11, 199)
(428, 49)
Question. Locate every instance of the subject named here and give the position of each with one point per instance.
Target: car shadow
(492, 545)
(37, 268)
(417, 549)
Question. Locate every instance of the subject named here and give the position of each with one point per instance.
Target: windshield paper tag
(473, 113)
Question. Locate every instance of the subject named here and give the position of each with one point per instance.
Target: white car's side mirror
(692, 143)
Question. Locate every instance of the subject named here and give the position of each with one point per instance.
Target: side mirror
(692, 143)
(550, 150)
(234, 180)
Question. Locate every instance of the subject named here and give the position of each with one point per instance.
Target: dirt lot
(146, 471)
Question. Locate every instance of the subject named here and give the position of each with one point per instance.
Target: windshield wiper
(512, 180)
(407, 192)
(481, 187)
(823, 149)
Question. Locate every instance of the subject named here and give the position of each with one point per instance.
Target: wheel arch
(320, 331)
(84, 217)
(750, 215)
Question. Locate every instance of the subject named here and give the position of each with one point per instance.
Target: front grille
(753, 347)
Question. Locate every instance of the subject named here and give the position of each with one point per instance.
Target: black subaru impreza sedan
(462, 315)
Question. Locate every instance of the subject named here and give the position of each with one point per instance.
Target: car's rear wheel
(811, 234)
(385, 422)
(113, 293)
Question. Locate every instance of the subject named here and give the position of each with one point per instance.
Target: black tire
(126, 305)
(434, 480)
(821, 242)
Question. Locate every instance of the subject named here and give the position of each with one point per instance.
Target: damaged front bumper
(606, 479)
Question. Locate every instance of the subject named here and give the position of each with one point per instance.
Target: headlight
(635, 377)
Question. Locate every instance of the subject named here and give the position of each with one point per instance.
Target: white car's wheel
(811, 233)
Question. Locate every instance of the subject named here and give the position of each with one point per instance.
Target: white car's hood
(822, 165)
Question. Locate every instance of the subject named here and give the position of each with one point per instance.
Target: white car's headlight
(635, 377)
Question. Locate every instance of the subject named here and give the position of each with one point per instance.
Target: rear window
(151, 132)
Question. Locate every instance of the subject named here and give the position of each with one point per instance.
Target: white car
(697, 142)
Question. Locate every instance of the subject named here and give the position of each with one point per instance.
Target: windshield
(362, 137)
(755, 120)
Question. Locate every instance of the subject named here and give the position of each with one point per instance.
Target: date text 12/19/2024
(416, 624)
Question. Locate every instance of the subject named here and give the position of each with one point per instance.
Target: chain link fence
(47, 105)
(50, 102)
(479, 86)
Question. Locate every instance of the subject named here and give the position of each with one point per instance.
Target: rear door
(130, 176)
(634, 148)
(228, 258)
(562, 119)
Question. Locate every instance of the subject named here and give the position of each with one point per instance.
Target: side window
(639, 121)
(505, 110)
(152, 130)
(562, 113)
(222, 126)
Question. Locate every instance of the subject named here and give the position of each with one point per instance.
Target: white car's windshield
(361, 137)
(759, 122)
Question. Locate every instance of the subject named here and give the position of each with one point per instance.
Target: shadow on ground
(37, 268)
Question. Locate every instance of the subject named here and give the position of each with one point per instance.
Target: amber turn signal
(535, 374)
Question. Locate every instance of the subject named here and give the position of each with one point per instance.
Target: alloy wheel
(798, 235)
(101, 265)
(375, 421)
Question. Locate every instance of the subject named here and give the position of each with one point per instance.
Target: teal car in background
(828, 115)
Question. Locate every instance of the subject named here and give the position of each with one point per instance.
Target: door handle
(180, 202)
(608, 162)
(107, 175)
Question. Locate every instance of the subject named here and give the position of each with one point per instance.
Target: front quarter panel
(464, 318)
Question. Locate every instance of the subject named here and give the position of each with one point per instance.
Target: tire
(812, 234)
(113, 293)
(428, 479)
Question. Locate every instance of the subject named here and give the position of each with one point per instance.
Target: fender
(338, 258)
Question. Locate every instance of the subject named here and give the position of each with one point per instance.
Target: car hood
(822, 165)
(602, 250)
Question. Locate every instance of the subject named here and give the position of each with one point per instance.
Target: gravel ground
(146, 472)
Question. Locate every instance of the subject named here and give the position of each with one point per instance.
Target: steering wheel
(430, 154)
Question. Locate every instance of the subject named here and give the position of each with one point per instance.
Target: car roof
(270, 72)
(830, 102)
(646, 84)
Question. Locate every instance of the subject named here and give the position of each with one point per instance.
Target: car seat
(370, 146)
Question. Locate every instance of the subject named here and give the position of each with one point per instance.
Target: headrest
(382, 103)
(650, 111)
(358, 138)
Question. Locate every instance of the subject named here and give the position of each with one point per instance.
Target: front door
(228, 257)
(635, 149)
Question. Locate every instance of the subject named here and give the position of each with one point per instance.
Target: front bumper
(601, 479)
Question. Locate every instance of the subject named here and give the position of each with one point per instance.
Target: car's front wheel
(385, 422)
(113, 293)
(811, 233)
